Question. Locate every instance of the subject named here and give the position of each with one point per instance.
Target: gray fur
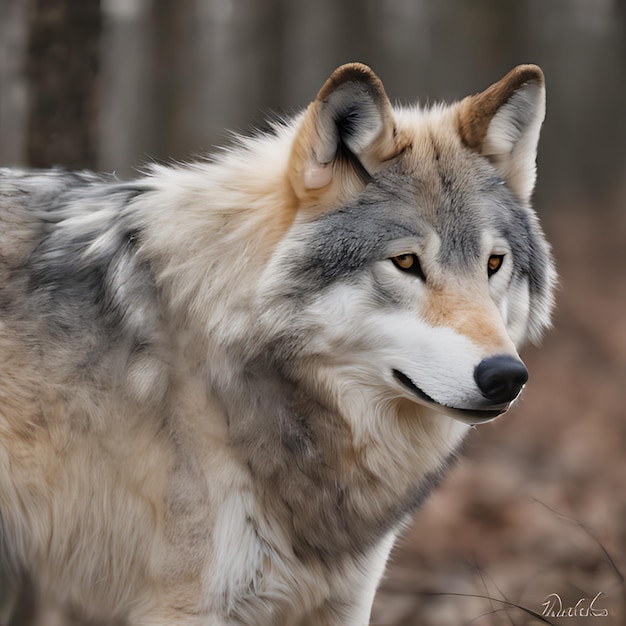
(88, 299)
(399, 204)
(301, 438)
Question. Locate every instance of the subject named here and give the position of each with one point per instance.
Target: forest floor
(534, 511)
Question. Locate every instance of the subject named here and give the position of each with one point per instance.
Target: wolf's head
(415, 266)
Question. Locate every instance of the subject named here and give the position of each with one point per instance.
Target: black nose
(500, 378)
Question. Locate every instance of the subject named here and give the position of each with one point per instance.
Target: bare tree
(62, 70)
(13, 93)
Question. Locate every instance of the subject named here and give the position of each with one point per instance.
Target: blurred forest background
(537, 505)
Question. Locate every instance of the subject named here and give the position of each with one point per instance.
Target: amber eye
(404, 261)
(409, 263)
(494, 264)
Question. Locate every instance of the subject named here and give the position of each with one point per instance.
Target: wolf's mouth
(469, 416)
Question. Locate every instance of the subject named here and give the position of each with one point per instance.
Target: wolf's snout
(500, 378)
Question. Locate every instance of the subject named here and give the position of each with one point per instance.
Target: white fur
(513, 148)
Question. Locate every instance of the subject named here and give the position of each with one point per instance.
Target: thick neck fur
(302, 459)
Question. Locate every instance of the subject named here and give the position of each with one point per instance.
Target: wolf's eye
(409, 263)
(494, 264)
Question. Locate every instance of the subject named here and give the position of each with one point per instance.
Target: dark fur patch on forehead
(345, 241)
(395, 205)
(454, 188)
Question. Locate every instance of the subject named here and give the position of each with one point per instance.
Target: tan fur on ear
(503, 124)
(347, 134)
(476, 112)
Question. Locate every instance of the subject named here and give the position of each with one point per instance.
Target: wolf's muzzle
(468, 415)
(500, 378)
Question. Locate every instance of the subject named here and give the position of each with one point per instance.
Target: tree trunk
(62, 68)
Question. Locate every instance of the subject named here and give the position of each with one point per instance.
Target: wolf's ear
(503, 124)
(347, 134)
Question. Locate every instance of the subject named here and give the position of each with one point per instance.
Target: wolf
(225, 386)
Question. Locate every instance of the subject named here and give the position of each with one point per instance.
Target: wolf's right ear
(347, 134)
(503, 124)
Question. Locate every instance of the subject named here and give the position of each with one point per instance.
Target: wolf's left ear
(347, 134)
(503, 124)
